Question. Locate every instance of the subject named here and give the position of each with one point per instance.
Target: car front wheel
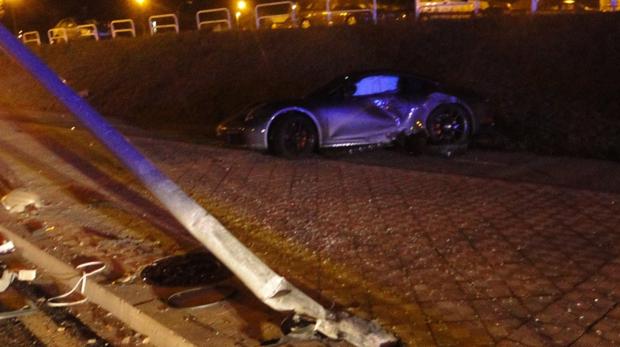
(293, 136)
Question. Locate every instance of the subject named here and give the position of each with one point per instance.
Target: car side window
(376, 84)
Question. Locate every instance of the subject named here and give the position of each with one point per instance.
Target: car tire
(449, 130)
(293, 136)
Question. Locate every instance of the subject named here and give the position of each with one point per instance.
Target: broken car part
(19, 200)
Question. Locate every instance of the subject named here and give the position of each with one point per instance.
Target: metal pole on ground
(272, 289)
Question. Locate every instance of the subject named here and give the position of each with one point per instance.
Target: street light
(242, 6)
(141, 5)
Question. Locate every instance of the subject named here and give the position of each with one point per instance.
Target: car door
(368, 109)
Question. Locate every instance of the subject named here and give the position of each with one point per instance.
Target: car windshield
(376, 84)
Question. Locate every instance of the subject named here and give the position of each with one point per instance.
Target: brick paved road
(437, 256)
(442, 259)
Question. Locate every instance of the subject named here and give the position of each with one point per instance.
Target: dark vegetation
(554, 80)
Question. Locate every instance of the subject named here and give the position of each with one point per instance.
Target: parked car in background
(452, 8)
(75, 30)
(372, 108)
(313, 13)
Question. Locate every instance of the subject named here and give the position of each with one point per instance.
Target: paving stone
(438, 258)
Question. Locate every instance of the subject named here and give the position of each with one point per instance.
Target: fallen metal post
(269, 287)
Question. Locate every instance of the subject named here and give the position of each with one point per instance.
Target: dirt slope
(553, 79)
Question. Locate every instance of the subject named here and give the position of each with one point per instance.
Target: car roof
(363, 73)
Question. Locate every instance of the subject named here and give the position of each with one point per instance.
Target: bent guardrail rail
(272, 289)
(122, 26)
(212, 22)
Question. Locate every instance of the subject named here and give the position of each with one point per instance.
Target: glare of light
(294, 7)
(242, 5)
(140, 2)
(237, 14)
(569, 2)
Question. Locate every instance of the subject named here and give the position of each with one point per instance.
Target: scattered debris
(27, 309)
(201, 297)
(9, 275)
(294, 329)
(79, 286)
(6, 246)
(20, 200)
(33, 225)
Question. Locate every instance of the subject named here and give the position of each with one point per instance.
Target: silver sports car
(372, 108)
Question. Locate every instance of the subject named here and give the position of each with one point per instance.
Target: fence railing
(31, 37)
(156, 27)
(221, 18)
(89, 30)
(200, 22)
(279, 17)
(122, 26)
(56, 35)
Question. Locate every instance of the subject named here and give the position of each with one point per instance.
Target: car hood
(261, 110)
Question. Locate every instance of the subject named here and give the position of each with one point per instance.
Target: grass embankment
(554, 79)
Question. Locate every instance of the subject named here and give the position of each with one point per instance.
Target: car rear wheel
(293, 136)
(449, 129)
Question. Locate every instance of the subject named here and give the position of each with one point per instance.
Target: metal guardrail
(31, 37)
(122, 26)
(201, 23)
(154, 26)
(89, 30)
(290, 13)
(56, 35)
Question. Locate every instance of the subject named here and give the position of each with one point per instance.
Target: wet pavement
(479, 250)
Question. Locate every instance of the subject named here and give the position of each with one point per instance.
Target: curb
(159, 334)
